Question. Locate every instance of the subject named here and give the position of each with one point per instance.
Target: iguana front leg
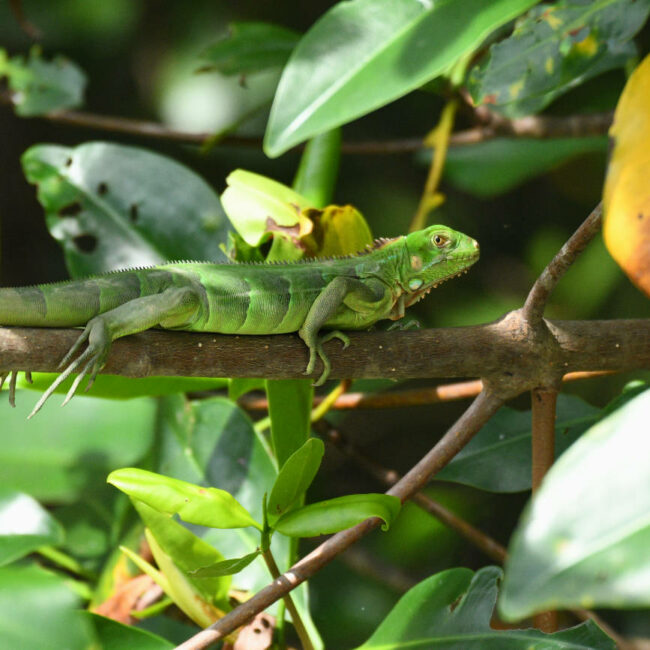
(172, 307)
(356, 295)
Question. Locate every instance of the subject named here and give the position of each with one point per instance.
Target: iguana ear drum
(416, 262)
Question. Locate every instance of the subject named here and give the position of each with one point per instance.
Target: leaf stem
(64, 561)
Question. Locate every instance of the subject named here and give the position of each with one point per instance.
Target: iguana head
(434, 255)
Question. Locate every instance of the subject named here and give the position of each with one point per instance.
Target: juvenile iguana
(350, 292)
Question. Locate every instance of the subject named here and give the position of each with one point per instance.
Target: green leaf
(116, 387)
(38, 86)
(498, 458)
(65, 455)
(24, 525)
(255, 204)
(290, 403)
(452, 610)
(555, 48)
(226, 567)
(250, 47)
(338, 514)
(112, 206)
(113, 635)
(363, 54)
(494, 167)
(584, 539)
(27, 592)
(204, 506)
(295, 477)
(188, 552)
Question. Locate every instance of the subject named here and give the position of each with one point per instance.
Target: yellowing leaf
(338, 230)
(627, 187)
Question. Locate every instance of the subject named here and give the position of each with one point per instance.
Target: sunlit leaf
(584, 539)
(452, 610)
(38, 86)
(24, 525)
(363, 54)
(250, 47)
(333, 515)
(627, 193)
(113, 206)
(295, 477)
(555, 48)
(204, 506)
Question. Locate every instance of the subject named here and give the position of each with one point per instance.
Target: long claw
(12, 388)
(75, 348)
(60, 379)
(327, 366)
(28, 377)
(78, 380)
(3, 376)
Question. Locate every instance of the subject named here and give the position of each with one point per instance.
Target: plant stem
(64, 561)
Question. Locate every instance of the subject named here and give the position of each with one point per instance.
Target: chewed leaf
(38, 86)
(555, 48)
(627, 193)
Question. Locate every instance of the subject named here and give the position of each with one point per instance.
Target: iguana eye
(439, 240)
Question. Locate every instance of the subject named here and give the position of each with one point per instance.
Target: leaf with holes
(250, 47)
(112, 206)
(452, 610)
(38, 86)
(555, 48)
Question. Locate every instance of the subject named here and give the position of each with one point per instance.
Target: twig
(543, 454)
(483, 407)
(405, 398)
(538, 127)
(536, 301)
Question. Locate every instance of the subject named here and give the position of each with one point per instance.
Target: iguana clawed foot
(318, 350)
(93, 360)
(402, 325)
(13, 375)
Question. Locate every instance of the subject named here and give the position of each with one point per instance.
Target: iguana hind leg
(340, 290)
(172, 307)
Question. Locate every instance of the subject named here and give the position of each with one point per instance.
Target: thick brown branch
(480, 411)
(536, 301)
(503, 349)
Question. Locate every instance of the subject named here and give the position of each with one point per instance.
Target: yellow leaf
(627, 187)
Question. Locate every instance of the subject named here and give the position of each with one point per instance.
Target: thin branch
(405, 398)
(483, 407)
(536, 301)
(389, 477)
(543, 402)
(538, 127)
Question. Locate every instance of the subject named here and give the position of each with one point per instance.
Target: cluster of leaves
(112, 206)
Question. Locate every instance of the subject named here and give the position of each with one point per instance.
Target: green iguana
(350, 292)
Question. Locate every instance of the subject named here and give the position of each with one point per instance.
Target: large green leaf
(203, 506)
(38, 86)
(250, 47)
(451, 610)
(490, 168)
(64, 455)
(498, 458)
(584, 539)
(295, 477)
(116, 636)
(363, 54)
(24, 525)
(113, 206)
(555, 48)
(333, 515)
(38, 611)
